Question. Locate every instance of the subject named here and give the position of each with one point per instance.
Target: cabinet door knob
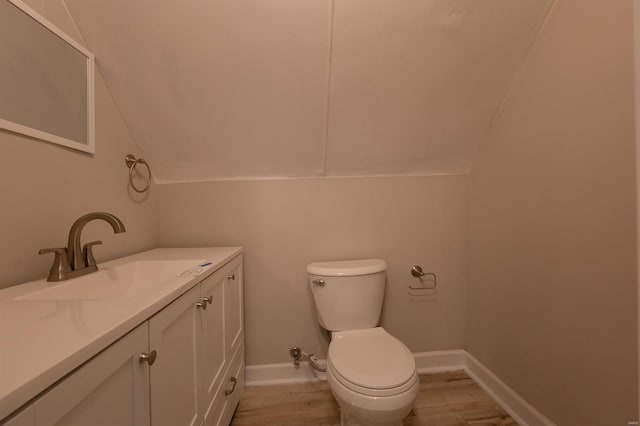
(208, 299)
(149, 358)
(202, 305)
(231, 277)
(233, 380)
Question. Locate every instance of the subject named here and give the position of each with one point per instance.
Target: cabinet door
(213, 355)
(174, 379)
(110, 389)
(234, 314)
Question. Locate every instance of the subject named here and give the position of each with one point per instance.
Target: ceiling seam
(280, 178)
(328, 87)
(73, 21)
(514, 81)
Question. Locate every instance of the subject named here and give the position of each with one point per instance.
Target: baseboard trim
(519, 409)
(278, 374)
(435, 361)
(426, 362)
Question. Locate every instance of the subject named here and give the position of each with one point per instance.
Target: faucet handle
(57, 250)
(60, 267)
(87, 253)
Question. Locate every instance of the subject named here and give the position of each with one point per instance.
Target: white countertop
(43, 340)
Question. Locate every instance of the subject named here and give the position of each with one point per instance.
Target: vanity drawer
(224, 405)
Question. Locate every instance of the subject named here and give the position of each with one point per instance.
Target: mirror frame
(11, 126)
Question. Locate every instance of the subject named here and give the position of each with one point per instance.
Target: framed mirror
(46, 80)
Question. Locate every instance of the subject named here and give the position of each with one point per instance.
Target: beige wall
(551, 290)
(285, 224)
(45, 187)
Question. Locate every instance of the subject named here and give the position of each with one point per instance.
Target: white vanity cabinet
(197, 338)
(196, 378)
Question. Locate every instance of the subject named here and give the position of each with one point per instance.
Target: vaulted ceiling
(234, 89)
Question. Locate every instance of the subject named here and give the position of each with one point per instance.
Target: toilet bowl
(371, 374)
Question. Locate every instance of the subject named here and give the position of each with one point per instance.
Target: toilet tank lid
(347, 268)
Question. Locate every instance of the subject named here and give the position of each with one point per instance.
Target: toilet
(371, 374)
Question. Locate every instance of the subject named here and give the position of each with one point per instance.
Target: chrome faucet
(72, 261)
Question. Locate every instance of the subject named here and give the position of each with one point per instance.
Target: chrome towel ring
(132, 162)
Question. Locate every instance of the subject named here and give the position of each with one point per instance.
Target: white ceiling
(234, 89)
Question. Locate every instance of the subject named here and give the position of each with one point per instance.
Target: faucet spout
(74, 251)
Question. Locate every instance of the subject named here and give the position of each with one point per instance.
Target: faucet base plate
(72, 274)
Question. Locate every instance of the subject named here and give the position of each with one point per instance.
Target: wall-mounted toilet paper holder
(416, 271)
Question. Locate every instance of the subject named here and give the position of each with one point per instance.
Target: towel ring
(132, 162)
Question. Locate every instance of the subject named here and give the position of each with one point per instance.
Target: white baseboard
(519, 409)
(435, 361)
(426, 362)
(278, 374)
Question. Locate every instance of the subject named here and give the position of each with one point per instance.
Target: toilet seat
(369, 392)
(371, 362)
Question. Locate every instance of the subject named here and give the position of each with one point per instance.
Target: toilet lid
(347, 268)
(371, 358)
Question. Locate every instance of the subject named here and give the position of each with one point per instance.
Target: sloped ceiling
(234, 89)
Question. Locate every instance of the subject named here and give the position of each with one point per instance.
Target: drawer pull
(231, 277)
(148, 358)
(233, 380)
(208, 299)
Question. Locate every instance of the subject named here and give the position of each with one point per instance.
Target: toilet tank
(348, 294)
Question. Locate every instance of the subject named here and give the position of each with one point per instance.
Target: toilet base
(346, 421)
(361, 410)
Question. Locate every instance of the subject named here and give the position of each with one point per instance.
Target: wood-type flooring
(445, 399)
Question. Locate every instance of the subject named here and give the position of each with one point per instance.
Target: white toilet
(371, 374)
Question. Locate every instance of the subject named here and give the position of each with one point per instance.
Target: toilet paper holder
(417, 272)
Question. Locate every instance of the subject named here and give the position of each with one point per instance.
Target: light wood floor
(450, 398)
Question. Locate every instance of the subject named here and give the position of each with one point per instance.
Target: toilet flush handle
(318, 282)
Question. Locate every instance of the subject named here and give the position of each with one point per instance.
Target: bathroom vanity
(156, 338)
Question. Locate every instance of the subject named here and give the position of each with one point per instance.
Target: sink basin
(124, 281)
